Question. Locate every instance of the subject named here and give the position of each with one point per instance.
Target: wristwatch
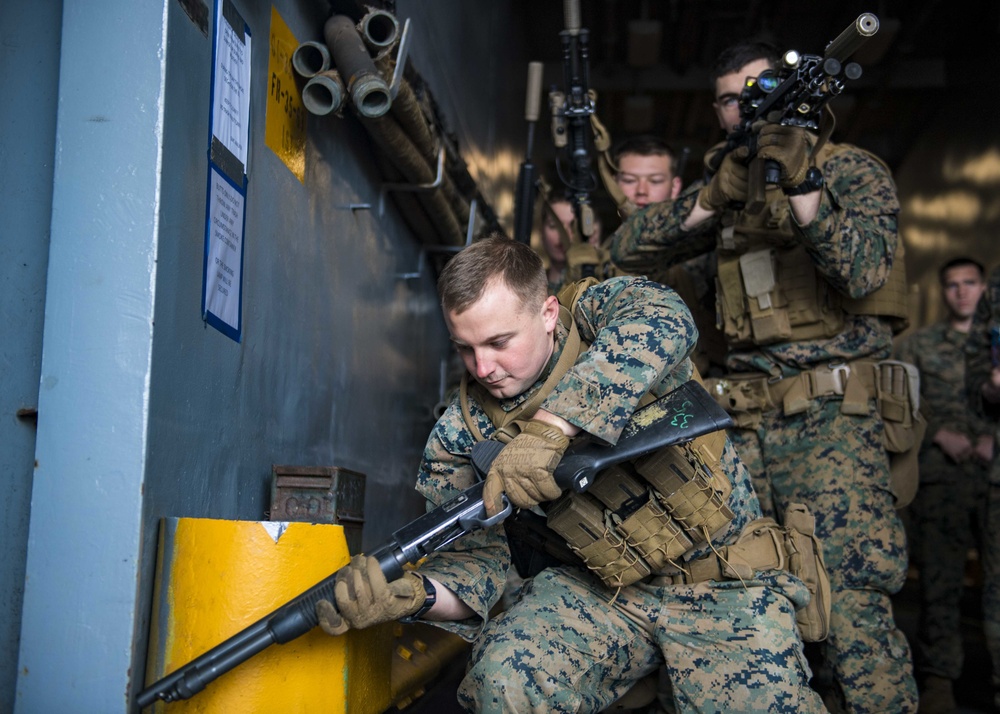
(813, 182)
(431, 592)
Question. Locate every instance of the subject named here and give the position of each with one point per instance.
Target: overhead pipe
(394, 143)
(380, 31)
(407, 111)
(369, 92)
(324, 93)
(310, 58)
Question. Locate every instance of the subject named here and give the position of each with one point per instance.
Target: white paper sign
(223, 265)
(231, 93)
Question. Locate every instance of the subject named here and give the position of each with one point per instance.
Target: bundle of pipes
(324, 91)
(361, 54)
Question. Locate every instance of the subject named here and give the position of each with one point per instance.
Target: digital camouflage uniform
(570, 644)
(835, 463)
(978, 366)
(949, 510)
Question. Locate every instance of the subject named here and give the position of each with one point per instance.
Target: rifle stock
(683, 414)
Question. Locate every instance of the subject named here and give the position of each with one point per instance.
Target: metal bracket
(401, 55)
(352, 207)
(387, 187)
(422, 260)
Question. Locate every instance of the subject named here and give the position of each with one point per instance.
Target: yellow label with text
(285, 121)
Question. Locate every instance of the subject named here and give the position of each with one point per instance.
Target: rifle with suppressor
(684, 414)
(793, 94)
(524, 200)
(572, 109)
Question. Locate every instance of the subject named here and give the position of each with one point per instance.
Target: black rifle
(527, 182)
(684, 414)
(794, 94)
(572, 108)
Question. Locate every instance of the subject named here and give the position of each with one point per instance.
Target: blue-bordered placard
(228, 158)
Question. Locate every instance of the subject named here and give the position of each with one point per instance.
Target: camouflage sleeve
(652, 239)
(853, 239)
(475, 566)
(978, 358)
(641, 334)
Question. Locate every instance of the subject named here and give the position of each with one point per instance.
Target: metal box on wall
(320, 494)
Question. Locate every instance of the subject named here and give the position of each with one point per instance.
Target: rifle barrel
(853, 37)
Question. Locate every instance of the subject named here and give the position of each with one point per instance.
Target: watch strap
(431, 597)
(813, 182)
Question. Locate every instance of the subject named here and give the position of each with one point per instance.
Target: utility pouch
(620, 528)
(759, 547)
(692, 485)
(774, 293)
(654, 533)
(580, 519)
(729, 306)
(768, 314)
(805, 561)
(897, 381)
(898, 395)
(639, 516)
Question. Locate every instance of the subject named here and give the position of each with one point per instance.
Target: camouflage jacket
(852, 242)
(977, 349)
(939, 352)
(640, 335)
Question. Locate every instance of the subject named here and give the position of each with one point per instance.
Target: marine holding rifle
(670, 564)
(810, 292)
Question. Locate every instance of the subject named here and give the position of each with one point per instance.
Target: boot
(937, 697)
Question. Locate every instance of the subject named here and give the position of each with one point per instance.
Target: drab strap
(607, 169)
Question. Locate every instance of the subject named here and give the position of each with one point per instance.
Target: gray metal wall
(29, 74)
(144, 412)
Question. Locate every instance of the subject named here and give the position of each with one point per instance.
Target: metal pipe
(368, 90)
(310, 58)
(406, 110)
(324, 93)
(380, 31)
(390, 138)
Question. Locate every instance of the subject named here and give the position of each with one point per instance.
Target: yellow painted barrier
(215, 577)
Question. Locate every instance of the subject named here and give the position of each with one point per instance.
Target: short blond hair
(495, 257)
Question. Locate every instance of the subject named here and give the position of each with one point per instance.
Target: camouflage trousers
(837, 465)
(571, 645)
(954, 510)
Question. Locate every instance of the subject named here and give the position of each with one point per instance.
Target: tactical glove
(791, 147)
(524, 468)
(364, 597)
(729, 185)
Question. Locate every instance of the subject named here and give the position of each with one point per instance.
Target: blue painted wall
(145, 412)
